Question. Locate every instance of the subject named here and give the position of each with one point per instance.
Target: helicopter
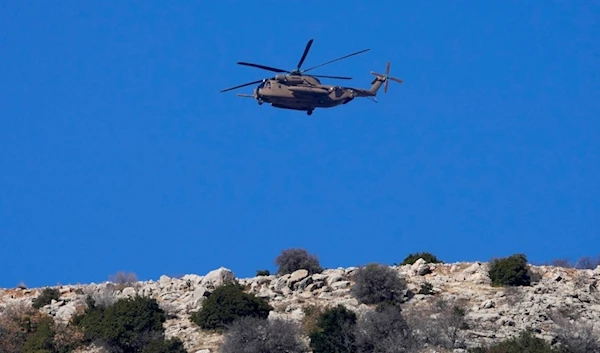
(297, 91)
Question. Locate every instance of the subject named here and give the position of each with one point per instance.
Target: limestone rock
(492, 313)
(217, 278)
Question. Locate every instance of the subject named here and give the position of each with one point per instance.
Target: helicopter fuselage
(301, 93)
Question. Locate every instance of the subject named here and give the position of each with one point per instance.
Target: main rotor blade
(338, 59)
(244, 85)
(269, 68)
(308, 45)
(336, 77)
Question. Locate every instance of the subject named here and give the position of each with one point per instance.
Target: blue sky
(118, 153)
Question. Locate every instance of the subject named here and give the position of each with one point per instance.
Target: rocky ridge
(493, 313)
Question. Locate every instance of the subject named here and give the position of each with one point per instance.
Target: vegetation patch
(228, 303)
(291, 260)
(510, 271)
(428, 257)
(377, 283)
(46, 297)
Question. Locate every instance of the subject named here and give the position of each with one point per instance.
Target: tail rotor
(386, 78)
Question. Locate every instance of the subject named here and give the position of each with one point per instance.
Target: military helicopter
(298, 91)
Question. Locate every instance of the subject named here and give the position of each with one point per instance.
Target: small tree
(428, 257)
(123, 279)
(334, 331)
(561, 263)
(510, 271)
(383, 330)
(586, 263)
(440, 324)
(377, 283)
(259, 335)
(291, 260)
(228, 303)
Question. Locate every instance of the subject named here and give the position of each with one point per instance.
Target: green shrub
(426, 288)
(26, 330)
(128, 325)
(334, 331)
(227, 303)
(171, 345)
(290, 260)
(41, 336)
(428, 257)
(510, 271)
(377, 283)
(46, 297)
(526, 342)
(263, 273)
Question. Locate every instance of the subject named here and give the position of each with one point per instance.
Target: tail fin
(381, 78)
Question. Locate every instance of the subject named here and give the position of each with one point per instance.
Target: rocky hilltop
(492, 313)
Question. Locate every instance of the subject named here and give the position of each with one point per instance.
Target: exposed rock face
(493, 313)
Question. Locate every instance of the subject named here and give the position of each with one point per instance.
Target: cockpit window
(262, 84)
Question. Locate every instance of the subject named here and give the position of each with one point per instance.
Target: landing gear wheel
(260, 102)
(309, 112)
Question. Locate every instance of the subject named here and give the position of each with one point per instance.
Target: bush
(128, 325)
(565, 263)
(383, 330)
(526, 342)
(227, 303)
(260, 335)
(171, 345)
(46, 297)
(440, 324)
(334, 331)
(263, 273)
(428, 257)
(311, 317)
(12, 332)
(25, 330)
(377, 283)
(123, 279)
(426, 288)
(510, 271)
(575, 335)
(291, 260)
(41, 336)
(587, 263)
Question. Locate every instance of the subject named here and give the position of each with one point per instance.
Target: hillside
(558, 300)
